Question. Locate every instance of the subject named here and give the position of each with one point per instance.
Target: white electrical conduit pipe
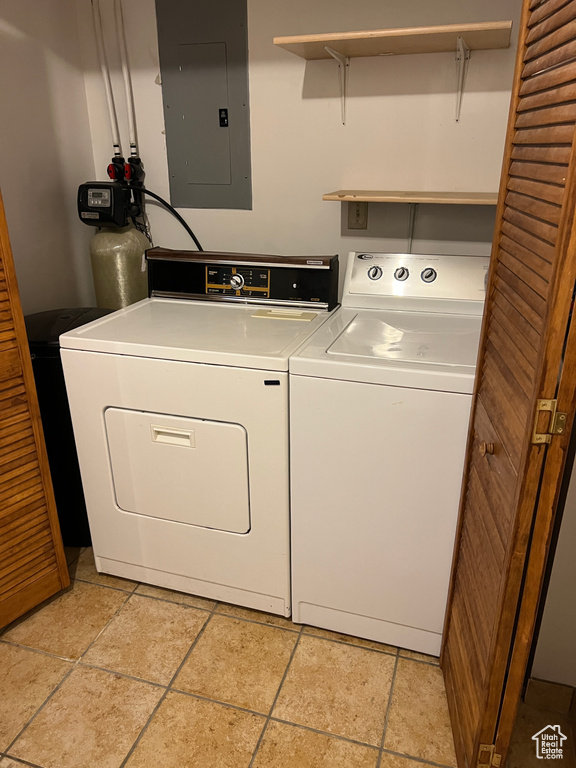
(97, 19)
(126, 75)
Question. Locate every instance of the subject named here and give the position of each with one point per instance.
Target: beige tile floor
(112, 673)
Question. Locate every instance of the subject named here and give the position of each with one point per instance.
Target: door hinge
(487, 757)
(556, 425)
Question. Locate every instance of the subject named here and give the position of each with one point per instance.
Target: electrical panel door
(204, 67)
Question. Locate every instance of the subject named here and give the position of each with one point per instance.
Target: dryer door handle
(173, 436)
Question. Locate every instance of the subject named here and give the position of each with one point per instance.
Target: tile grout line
(388, 709)
(353, 645)
(326, 733)
(74, 666)
(261, 737)
(296, 630)
(21, 761)
(106, 586)
(216, 701)
(88, 665)
(167, 690)
(35, 650)
(105, 627)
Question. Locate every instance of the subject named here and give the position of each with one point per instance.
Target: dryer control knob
(375, 273)
(237, 282)
(429, 275)
(402, 273)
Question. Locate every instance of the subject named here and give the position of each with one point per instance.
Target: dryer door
(190, 471)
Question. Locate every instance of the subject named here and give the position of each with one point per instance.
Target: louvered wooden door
(510, 484)
(32, 562)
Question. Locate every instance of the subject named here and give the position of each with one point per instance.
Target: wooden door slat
(547, 116)
(10, 366)
(518, 320)
(551, 134)
(540, 271)
(35, 539)
(546, 154)
(496, 391)
(532, 226)
(540, 190)
(527, 301)
(505, 379)
(547, 212)
(27, 563)
(17, 469)
(526, 266)
(549, 78)
(563, 35)
(556, 20)
(21, 449)
(23, 516)
(506, 316)
(556, 58)
(33, 580)
(523, 371)
(553, 174)
(534, 244)
(489, 524)
(544, 10)
(17, 491)
(553, 96)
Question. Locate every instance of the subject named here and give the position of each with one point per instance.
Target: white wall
(45, 148)
(555, 658)
(400, 132)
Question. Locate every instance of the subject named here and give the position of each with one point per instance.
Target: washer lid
(245, 336)
(409, 349)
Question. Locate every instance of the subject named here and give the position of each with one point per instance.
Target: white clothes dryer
(380, 401)
(180, 411)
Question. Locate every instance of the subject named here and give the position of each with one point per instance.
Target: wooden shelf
(444, 198)
(385, 42)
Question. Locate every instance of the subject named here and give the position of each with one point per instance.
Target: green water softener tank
(119, 266)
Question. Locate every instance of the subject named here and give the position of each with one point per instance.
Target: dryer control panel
(303, 281)
(238, 281)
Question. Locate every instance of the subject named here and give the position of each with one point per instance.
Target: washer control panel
(415, 276)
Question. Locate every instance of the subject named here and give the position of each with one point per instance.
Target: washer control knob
(429, 275)
(402, 273)
(237, 282)
(375, 273)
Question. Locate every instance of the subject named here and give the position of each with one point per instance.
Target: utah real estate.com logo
(549, 743)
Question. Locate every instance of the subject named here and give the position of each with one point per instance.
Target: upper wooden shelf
(384, 42)
(445, 198)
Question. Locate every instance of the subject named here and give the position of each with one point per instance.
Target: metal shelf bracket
(412, 211)
(462, 58)
(343, 67)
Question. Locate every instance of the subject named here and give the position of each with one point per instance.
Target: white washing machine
(380, 401)
(180, 411)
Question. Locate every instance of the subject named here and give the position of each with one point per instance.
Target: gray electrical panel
(204, 70)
